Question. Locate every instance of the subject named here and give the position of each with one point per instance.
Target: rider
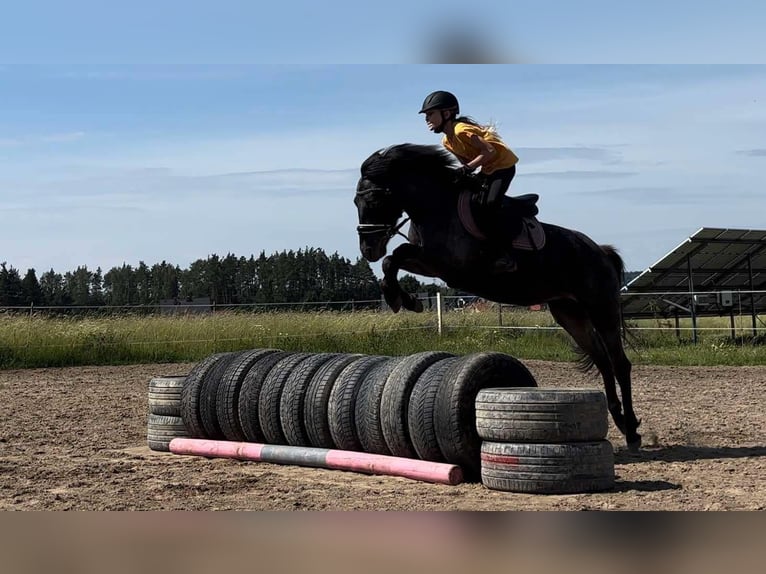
(476, 146)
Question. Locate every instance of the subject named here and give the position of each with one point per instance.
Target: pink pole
(367, 463)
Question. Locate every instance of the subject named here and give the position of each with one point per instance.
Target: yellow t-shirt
(460, 144)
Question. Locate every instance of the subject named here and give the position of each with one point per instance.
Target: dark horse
(578, 279)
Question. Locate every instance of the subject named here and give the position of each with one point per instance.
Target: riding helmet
(440, 100)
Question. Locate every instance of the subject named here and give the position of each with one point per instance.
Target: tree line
(305, 275)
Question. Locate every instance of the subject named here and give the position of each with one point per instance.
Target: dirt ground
(75, 438)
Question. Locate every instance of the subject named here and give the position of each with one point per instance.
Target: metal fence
(449, 312)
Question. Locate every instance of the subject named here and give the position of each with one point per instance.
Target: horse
(577, 278)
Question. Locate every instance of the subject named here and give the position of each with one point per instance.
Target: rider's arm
(486, 151)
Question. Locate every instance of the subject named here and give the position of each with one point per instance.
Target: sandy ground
(75, 438)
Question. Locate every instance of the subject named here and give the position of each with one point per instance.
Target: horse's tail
(616, 261)
(619, 266)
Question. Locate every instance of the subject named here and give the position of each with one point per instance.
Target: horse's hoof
(394, 304)
(415, 305)
(634, 446)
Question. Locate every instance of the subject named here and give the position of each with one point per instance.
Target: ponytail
(490, 127)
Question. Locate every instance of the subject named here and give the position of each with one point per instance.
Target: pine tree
(30, 286)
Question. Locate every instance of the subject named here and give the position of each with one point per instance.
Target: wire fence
(445, 312)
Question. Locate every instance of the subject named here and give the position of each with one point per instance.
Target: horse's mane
(413, 159)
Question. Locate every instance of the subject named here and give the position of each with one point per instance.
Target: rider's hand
(465, 171)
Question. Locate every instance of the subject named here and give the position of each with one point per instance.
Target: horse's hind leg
(607, 323)
(573, 317)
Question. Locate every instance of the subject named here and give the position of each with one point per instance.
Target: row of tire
(544, 441)
(420, 406)
(416, 406)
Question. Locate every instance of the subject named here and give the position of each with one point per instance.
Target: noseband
(389, 230)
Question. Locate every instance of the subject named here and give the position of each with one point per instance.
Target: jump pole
(437, 472)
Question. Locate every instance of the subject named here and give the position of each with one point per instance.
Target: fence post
(439, 312)
(500, 314)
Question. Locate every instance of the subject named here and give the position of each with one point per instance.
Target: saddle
(517, 215)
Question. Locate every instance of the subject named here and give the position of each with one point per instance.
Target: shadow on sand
(684, 453)
(644, 485)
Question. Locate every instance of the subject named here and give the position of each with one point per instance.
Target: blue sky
(101, 165)
(394, 31)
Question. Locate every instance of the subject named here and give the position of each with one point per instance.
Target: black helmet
(440, 100)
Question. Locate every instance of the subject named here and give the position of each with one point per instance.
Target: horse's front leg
(407, 257)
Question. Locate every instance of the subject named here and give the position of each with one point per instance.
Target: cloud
(540, 154)
(629, 192)
(597, 174)
(663, 195)
(37, 139)
(65, 137)
(753, 152)
(139, 187)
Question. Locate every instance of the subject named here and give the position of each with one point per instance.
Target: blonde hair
(490, 127)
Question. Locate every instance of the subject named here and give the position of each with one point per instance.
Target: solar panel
(720, 266)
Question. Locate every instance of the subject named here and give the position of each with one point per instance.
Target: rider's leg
(497, 184)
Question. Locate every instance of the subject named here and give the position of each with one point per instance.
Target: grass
(41, 341)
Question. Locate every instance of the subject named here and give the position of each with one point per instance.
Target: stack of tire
(544, 441)
(165, 422)
(415, 406)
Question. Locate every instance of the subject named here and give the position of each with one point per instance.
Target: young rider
(476, 146)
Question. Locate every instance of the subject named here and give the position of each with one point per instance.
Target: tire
(208, 396)
(271, 394)
(455, 412)
(317, 399)
(293, 398)
(250, 395)
(342, 402)
(165, 395)
(421, 410)
(227, 401)
(190, 395)
(563, 468)
(160, 430)
(395, 401)
(369, 427)
(541, 415)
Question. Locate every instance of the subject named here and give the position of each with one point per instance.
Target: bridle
(388, 229)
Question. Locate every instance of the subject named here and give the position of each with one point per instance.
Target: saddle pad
(531, 237)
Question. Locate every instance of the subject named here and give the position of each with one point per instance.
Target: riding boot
(500, 233)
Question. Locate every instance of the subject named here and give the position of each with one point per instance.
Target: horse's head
(378, 215)
(384, 191)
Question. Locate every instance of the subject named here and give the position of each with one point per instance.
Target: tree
(53, 289)
(32, 294)
(11, 289)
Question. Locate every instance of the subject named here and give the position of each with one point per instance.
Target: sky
(149, 142)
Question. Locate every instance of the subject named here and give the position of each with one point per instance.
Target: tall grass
(40, 341)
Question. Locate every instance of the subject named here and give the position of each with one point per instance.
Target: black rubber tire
(190, 395)
(563, 468)
(250, 396)
(395, 400)
(369, 427)
(541, 415)
(227, 402)
(208, 396)
(342, 403)
(421, 410)
(161, 429)
(317, 397)
(271, 394)
(165, 395)
(455, 420)
(293, 398)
